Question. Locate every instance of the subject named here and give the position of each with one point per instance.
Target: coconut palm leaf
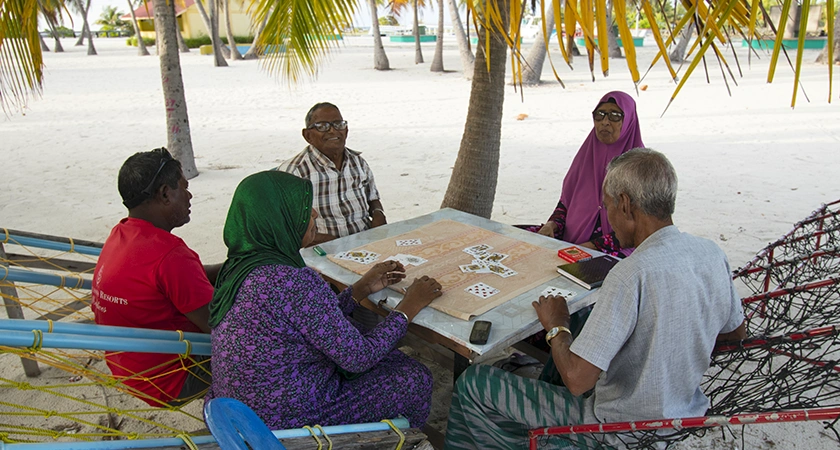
(603, 32)
(657, 36)
(299, 33)
(21, 63)
(620, 9)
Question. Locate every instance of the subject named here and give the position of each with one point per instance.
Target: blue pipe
(100, 330)
(112, 344)
(199, 440)
(25, 276)
(52, 245)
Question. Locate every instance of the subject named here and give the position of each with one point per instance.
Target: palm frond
(299, 34)
(21, 63)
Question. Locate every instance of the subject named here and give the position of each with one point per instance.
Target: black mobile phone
(480, 332)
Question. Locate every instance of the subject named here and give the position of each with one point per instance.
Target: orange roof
(142, 12)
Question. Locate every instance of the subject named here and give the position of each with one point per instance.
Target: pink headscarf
(582, 185)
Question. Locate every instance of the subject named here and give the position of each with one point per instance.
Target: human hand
(552, 311)
(548, 229)
(379, 277)
(588, 244)
(377, 219)
(419, 295)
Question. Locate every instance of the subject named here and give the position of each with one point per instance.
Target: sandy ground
(749, 166)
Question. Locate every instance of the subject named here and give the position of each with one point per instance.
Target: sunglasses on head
(323, 127)
(165, 157)
(614, 116)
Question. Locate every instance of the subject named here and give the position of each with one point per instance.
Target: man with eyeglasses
(146, 277)
(345, 193)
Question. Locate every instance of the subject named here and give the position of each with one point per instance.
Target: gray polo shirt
(654, 326)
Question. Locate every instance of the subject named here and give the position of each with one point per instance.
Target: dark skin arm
(320, 238)
(212, 271)
(377, 216)
(200, 317)
(579, 375)
(739, 334)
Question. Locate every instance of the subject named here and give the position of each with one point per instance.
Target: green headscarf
(268, 216)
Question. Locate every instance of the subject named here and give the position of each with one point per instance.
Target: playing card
(482, 290)
(502, 271)
(359, 256)
(551, 290)
(482, 266)
(413, 260)
(476, 250)
(492, 257)
(408, 242)
(471, 268)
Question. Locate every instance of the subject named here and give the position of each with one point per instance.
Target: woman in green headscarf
(282, 339)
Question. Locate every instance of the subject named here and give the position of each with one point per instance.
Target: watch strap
(554, 332)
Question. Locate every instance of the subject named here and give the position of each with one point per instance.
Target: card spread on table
(492, 257)
(407, 260)
(359, 256)
(551, 290)
(482, 290)
(408, 242)
(477, 250)
(501, 270)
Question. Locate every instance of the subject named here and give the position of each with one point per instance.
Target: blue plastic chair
(233, 424)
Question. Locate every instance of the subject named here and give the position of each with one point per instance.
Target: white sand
(749, 166)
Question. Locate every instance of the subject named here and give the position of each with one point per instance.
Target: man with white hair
(644, 347)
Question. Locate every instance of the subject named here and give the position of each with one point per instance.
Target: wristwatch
(552, 333)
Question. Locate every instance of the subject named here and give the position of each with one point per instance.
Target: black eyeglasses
(323, 127)
(614, 116)
(165, 157)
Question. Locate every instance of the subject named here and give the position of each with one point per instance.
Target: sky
(362, 18)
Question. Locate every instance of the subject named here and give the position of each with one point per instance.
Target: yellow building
(189, 19)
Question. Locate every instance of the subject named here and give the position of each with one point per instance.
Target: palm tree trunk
(532, 70)
(380, 59)
(178, 137)
(44, 47)
(467, 58)
(141, 46)
(612, 39)
(218, 59)
(823, 58)
(253, 52)
(182, 46)
(208, 22)
(418, 52)
(90, 50)
(437, 60)
(57, 48)
(472, 187)
(678, 54)
(81, 7)
(234, 52)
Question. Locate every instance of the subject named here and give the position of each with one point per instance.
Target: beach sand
(749, 166)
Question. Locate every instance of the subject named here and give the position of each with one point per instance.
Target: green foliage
(388, 20)
(110, 20)
(62, 32)
(132, 41)
(205, 40)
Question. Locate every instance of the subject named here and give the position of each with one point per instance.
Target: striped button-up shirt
(341, 197)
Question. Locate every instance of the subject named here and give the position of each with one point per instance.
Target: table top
(512, 321)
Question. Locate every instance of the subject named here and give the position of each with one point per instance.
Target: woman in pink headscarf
(579, 217)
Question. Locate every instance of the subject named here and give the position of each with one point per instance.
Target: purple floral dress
(279, 347)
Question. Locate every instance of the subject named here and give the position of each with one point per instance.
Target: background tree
(51, 11)
(418, 51)
(467, 57)
(380, 59)
(110, 20)
(141, 46)
(216, 41)
(437, 60)
(83, 7)
(234, 51)
(178, 138)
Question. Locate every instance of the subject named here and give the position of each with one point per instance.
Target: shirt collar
(324, 161)
(659, 235)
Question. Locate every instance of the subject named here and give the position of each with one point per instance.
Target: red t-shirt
(147, 277)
